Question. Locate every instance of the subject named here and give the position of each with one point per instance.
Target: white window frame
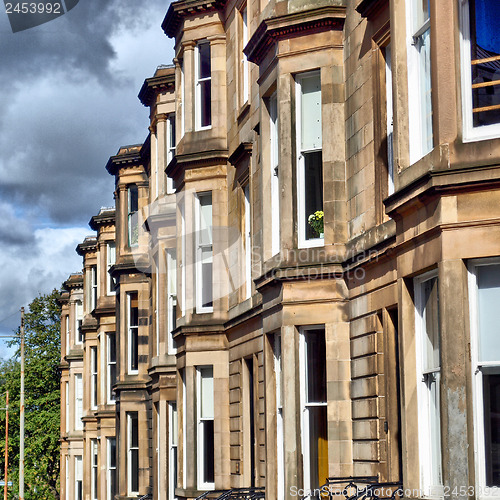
(110, 262)
(183, 94)
(305, 406)
(198, 81)
(302, 222)
(66, 325)
(130, 332)
(93, 378)
(66, 486)
(415, 91)
(110, 396)
(130, 450)
(94, 469)
(66, 405)
(170, 142)
(470, 133)
(78, 401)
(78, 476)
(424, 412)
(131, 216)
(170, 255)
(389, 103)
(109, 467)
(182, 209)
(248, 241)
(184, 429)
(274, 163)
(199, 253)
(78, 322)
(173, 443)
(245, 70)
(200, 462)
(483, 491)
(278, 374)
(93, 287)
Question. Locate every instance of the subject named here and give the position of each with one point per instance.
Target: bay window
(94, 470)
(66, 327)
(171, 299)
(310, 157)
(429, 382)
(205, 426)
(133, 223)
(244, 67)
(248, 242)
(203, 76)
(484, 281)
(111, 468)
(133, 452)
(481, 68)
(78, 477)
(314, 406)
(110, 262)
(133, 332)
(173, 434)
(78, 402)
(419, 78)
(274, 163)
(93, 288)
(93, 378)
(280, 465)
(111, 366)
(204, 253)
(390, 118)
(170, 142)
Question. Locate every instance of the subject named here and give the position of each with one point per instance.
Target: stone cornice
(127, 156)
(106, 216)
(164, 80)
(244, 149)
(283, 27)
(194, 160)
(183, 8)
(89, 244)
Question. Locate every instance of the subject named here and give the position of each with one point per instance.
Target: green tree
(42, 402)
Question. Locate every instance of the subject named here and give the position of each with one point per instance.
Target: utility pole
(21, 416)
(6, 445)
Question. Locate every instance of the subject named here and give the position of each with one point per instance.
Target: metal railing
(235, 494)
(357, 488)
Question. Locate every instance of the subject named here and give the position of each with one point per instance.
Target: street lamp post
(21, 416)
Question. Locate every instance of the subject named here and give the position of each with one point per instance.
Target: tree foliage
(42, 402)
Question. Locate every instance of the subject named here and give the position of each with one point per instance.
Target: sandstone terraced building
(299, 279)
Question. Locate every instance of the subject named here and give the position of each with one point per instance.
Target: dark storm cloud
(69, 101)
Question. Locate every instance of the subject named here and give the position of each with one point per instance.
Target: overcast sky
(68, 102)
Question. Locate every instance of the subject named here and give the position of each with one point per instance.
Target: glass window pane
(133, 200)
(424, 47)
(431, 352)
(205, 236)
(112, 452)
(316, 366)
(207, 392)
(491, 398)
(313, 177)
(112, 348)
(204, 60)
(135, 470)
(205, 103)
(207, 268)
(208, 450)
(488, 280)
(311, 113)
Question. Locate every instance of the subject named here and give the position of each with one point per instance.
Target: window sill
(243, 111)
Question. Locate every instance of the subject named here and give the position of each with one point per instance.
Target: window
(111, 468)
(170, 131)
(66, 326)
(183, 93)
(93, 288)
(248, 243)
(203, 86)
(419, 78)
(111, 366)
(244, 69)
(78, 402)
(481, 68)
(314, 407)
(205, 431)
(280, 464)
(184, 429)
(93, 378)
(133, 222)
(173, 435)
(204, 253)
(78, 477)
(111, 260)
(133, 332)
(78, 321)
(66, 484)
(133, 452)
(94, 470)
(66, 404)
(275, 189)
(429, 382)
(484, 282)
(390, 119)
(182, 209)
(171, 299)
(310, 158)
